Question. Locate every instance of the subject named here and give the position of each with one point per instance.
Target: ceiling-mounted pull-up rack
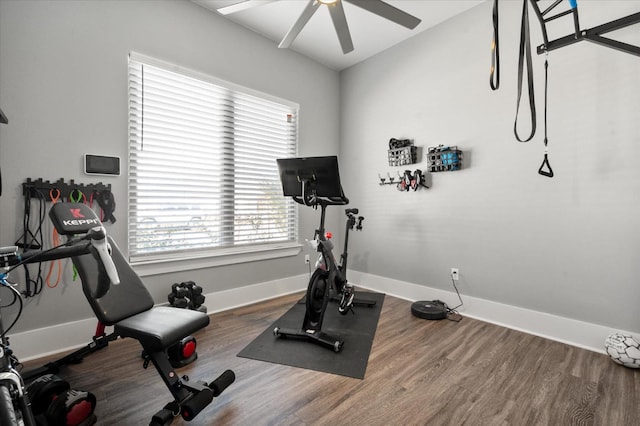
(525, 68)
(593, 35)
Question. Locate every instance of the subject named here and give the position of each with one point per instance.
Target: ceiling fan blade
(340, 23)
(243, 5)
(387, 11)
(307, 13)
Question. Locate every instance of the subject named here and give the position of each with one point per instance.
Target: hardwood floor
(419, 373)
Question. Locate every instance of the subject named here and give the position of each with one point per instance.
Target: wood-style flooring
(419, 373)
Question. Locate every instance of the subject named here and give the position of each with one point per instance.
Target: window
(203, 178)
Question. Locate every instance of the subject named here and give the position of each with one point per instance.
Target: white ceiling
(371, 34)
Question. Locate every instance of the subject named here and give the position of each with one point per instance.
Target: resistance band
(525, 56)
(75, 196)
(55, 239)
(494, 74)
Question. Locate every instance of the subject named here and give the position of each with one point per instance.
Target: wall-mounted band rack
(33, 237)
(66, 189)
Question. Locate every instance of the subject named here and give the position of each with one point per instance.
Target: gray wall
(63, 85)
(568, 246)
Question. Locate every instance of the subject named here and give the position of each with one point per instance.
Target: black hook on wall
(383, 181)
(405, 181)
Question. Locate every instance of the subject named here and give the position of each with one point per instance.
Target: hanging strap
(525, 56)
(3, 120)
(545, 162)
(107, 203)
(54, 195)
(494, 74)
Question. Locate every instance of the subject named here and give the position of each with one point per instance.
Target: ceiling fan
(336, 11)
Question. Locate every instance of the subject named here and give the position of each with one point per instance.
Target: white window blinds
(202, 164)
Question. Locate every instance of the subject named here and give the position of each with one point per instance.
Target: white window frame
(149, 264)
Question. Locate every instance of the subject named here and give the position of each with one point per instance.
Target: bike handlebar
(311, 200)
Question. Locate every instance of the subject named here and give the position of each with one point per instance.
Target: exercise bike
(15, 406)
(313, 182)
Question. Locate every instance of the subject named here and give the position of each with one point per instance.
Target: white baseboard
(54, 339)
(566, 330)
(242, 296)
(63, 337)
(58, 338)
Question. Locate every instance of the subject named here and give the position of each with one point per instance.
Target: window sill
(212, 259)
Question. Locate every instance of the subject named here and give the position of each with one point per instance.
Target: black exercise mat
(357, 332)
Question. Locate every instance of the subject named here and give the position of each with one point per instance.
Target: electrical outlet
(455, 274)
(307, 259)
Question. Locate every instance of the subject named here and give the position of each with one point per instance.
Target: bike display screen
(319, 174)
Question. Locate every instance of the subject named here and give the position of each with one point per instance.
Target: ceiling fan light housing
(328, 2)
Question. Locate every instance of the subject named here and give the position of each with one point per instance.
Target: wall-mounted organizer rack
(402, 152)
(33, 238)
(444, 158)
(35, 188)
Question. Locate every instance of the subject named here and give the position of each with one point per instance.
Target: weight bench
(129, 308)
